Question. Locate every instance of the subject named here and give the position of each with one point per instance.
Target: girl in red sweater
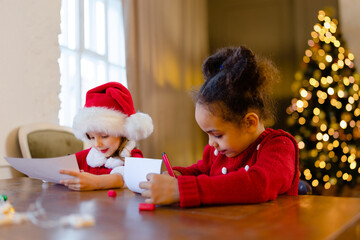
(109, 121)
(244, 162)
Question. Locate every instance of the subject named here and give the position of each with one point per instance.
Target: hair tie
(221, 67)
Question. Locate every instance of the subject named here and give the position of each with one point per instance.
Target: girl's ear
(251, 121)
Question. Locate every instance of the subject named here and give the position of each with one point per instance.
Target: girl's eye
(105, 136)
(218, 136)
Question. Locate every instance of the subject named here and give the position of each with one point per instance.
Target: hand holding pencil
(161, 189)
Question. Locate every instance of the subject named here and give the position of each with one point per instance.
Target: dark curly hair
(236, 82)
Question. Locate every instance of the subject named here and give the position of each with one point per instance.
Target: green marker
(3, 198)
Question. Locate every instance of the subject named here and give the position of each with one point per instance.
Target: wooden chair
(46, 140)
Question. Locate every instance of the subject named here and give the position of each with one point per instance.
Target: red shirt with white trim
(83, 165)
(267, 168)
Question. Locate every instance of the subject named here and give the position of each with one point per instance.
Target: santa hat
(109, 109)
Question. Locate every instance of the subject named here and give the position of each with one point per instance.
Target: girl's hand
(177, 173)
(160, 189)
(82, 181)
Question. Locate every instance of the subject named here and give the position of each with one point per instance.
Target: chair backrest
(46, 140)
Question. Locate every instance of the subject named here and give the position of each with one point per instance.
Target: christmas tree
(324, 115)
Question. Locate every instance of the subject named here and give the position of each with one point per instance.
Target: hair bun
(238, 64)
(242, 68)
(215, 63)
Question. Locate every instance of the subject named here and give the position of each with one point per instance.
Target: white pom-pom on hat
(138, 126)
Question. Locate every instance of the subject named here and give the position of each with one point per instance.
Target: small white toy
(8, 214)
(78, 220)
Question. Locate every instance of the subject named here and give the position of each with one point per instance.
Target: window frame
(78, 52)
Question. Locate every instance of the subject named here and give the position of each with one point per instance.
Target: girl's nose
(97, 142)
(212, 142)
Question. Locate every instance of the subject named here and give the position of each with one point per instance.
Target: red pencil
(168, 166)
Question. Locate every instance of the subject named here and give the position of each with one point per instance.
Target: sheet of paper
(136, 170)
(46, 169)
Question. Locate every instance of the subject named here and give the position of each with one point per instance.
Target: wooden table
(300, 217)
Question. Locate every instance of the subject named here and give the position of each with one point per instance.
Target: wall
(29, 80)
(350, 24)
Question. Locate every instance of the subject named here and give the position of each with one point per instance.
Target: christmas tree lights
(324, 115)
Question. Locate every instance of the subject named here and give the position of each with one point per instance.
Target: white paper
(46, 169)
(136, 170)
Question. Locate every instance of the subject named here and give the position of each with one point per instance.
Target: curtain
(166, 43)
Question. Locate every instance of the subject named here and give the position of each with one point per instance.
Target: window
(92, 48)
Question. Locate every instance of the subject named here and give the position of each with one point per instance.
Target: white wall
(29, 71)
(350, 26)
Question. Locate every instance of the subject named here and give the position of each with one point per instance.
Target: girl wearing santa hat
(244, 162)
(109, 121)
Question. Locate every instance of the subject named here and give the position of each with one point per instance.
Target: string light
(324, 116)
(328, 58)
(343, 124)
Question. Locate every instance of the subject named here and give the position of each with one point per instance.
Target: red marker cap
(146, 207)
(112, 193)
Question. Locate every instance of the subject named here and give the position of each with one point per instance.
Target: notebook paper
(136, 170)
(46, 169)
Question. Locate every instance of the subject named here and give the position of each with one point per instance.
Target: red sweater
(267, 168)
(81, 160)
